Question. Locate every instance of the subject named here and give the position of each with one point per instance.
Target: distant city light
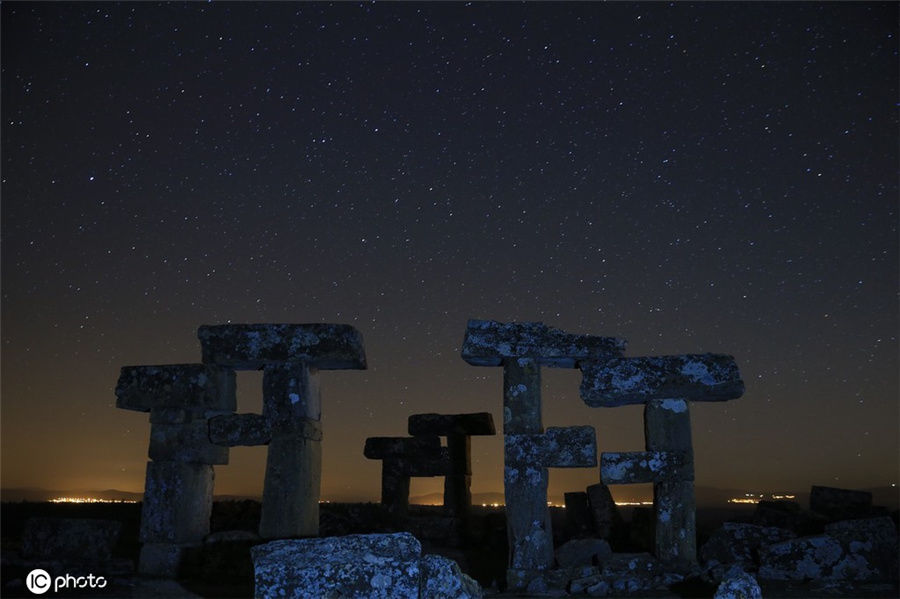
(633, 503)
(753, 499)
(89, 500)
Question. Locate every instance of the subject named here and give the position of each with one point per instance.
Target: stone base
(162, 560)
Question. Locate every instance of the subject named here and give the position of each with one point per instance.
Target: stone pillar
(290, 356)
(402, 458)
(458, 428)
(179, 485)
(664, 384)
(522, 348)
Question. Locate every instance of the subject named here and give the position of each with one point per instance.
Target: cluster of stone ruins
(193, 424)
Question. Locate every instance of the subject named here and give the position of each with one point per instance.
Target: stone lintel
(232, 430)
(632, 467)
(197, 387)
(489, 343)
(185, 442)
(380, 448)
(420, 465)
(695, 377)
(254, 346)
(480, 423)
(557, 447)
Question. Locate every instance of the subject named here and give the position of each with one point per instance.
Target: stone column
(522, 348)
(402, 458)
(668, 461)
(179, 484)
(290, 356)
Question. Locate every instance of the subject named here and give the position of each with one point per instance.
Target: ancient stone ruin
(665, 385)
(422, 455)
(193, 424)
(521, 349)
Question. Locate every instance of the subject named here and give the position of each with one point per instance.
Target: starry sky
(694, 178)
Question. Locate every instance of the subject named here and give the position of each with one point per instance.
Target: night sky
(715, 177)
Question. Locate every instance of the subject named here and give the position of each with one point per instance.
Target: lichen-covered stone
(371, 566)
(253, 346)
(582, 552)
(738, 584)
(635, 380)
(177, 502)
(489, 343)
(185, 442)
(195, 387)
(618, 468)
(234, 430)
(557, 447)
(442, 579)
(479, 423)
(630, 573)
(871, 547)
(840, 504)
(805, 558)
(82, 540)
(737, 543)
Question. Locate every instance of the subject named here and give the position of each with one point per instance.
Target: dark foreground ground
(222, 568)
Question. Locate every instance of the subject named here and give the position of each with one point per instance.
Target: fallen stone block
(645, 467)
(196, 387)
(738, 584)
(489, 343)
(255, 346)
(805, 558)
(871, 546)
(81, 540)
(840, 504)
(697, 377)
(234, 430)
(557, 447)
(739, 544)
(163, 560)
(582, 552)
(377, 565)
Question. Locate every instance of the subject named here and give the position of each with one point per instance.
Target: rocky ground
(791, 551)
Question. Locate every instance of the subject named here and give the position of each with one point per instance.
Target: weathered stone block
(353, 566)
(442, 579)
(185, 442)
(840, 504)
(80, 540)
(801, 559)
(698, 377)
(479, 423)
(254, 346)
(291, 393)
(290, 506)
(739, 543)
(232, 430)
(162, 560)
(631, 467)
(177, 502)
(379, 448)
(871, 546)
(196, 387)
(607, 519)
(489, 343)
(738, 584)
(557, 447)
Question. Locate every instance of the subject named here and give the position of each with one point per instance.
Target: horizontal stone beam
(232, 430)
(694, 377)
(645, 467)
(489, 343)
(379, 448)
(557, 447)
(197, 387)
(254, 346)
(185, 442)
(480, 423)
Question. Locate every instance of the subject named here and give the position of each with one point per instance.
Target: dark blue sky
(713, 177)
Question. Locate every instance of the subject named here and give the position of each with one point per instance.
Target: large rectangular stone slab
(695, 377)
(624, 468)
(557, 447)
(479, 423)
(185, 442)
(489, 343)
(254, 346)
(197, 387)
